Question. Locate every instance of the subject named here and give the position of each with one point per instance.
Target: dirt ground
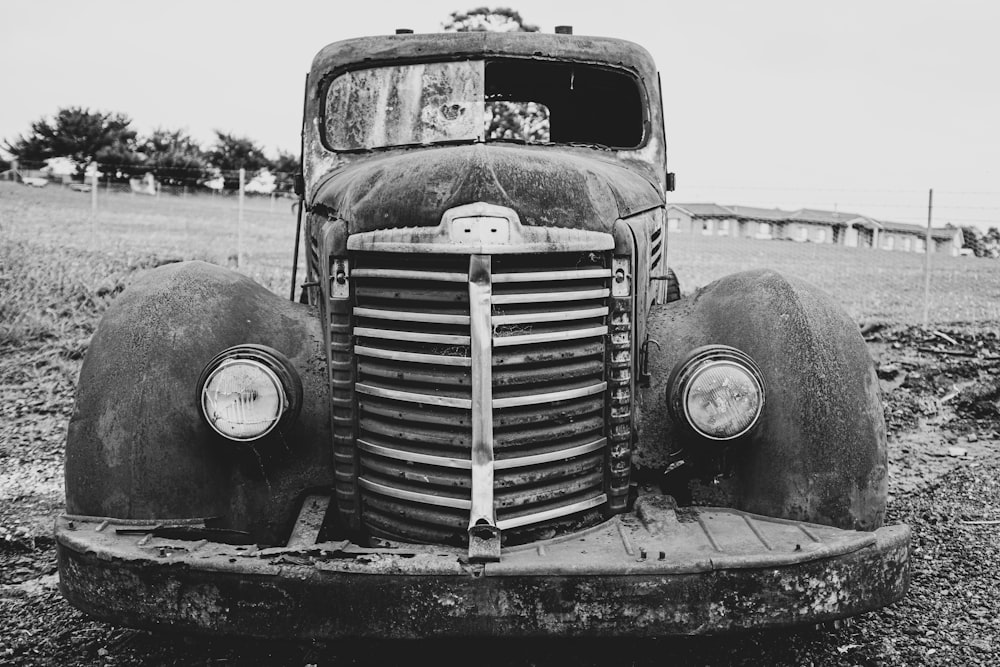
(942, 395)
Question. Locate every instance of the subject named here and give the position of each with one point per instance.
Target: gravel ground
(944, 424)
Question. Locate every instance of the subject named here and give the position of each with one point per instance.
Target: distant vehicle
(217, 183)
(494, 414)
(146, 185)
(35, 181)
(79, 187)
(264, 183)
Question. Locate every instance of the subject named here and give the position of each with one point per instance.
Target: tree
(484, 19)
(508, 119)
(76, 133)
(175, 158)
(991, 242)
(121, 161)
(232, 153)
(972, 239)
(285, 167)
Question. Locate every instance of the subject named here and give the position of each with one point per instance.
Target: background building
(810, 225)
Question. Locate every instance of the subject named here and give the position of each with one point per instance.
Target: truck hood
(545, 186)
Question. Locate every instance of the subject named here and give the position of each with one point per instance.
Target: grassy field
(60, 264)
(129, 227)
(873, 285)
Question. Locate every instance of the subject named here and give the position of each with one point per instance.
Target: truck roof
(602, 50)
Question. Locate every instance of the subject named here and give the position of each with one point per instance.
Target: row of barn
(810, 225)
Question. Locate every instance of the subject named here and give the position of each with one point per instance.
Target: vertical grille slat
(551, 319)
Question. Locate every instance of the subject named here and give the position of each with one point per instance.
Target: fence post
(239, 219)
(927, 258)
(94, 182)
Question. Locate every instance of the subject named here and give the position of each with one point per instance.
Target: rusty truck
(486, 411)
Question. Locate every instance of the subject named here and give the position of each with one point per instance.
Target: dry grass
(872, 285)
(60, 266)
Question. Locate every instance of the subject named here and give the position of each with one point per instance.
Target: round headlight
(718, 391)
(245, 392)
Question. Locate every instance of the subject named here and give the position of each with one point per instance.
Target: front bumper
(658, 571)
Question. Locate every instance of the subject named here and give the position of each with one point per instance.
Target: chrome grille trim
(530, 406)
(550, 297)
(411, 317)
(551, 397)
(555, 513)
(483, 544)
(515, 239)
(425, 498)
(529, 339)
(405, 274)
(395, 394)
(403, 455)
(550, 317)
(415, 336)
(561, 455)
(416, 357)
(541, 276)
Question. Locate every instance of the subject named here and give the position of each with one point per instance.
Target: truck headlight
(247, 390)
(718, 391)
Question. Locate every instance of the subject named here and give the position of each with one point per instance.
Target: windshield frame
(328, 79)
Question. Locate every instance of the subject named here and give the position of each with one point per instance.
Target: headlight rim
(275, 363)
(696, 362)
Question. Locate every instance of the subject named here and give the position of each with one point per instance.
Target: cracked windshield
(467, 101)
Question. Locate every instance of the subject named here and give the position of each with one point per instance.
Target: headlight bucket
(717, 391)
(246, 392)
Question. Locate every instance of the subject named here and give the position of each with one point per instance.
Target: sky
(859, 106)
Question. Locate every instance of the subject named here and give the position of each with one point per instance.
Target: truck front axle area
(653, 572)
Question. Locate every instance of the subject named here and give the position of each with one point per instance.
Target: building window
(906, 244)
(764, 230)
(919, 245)
(706, 227)
(723, 228)
(820, 236)
(803, 233)
(889, 242)
(673, 224)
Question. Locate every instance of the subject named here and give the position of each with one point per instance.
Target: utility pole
(927, 257)
(239, 233)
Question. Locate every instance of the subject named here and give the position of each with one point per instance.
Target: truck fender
(818, 452)
(138, 447)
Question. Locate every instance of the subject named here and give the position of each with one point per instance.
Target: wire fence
(170, 178)
(259, 193)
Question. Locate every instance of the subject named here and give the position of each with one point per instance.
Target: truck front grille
(413, 345)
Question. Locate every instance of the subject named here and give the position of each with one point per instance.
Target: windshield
(523, 101)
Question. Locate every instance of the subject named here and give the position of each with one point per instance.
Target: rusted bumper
(655, 572)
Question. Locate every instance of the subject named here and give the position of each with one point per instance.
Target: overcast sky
(858, 105)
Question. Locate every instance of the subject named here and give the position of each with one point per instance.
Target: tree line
(981, 244)
(107, 138)
(86, 137)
